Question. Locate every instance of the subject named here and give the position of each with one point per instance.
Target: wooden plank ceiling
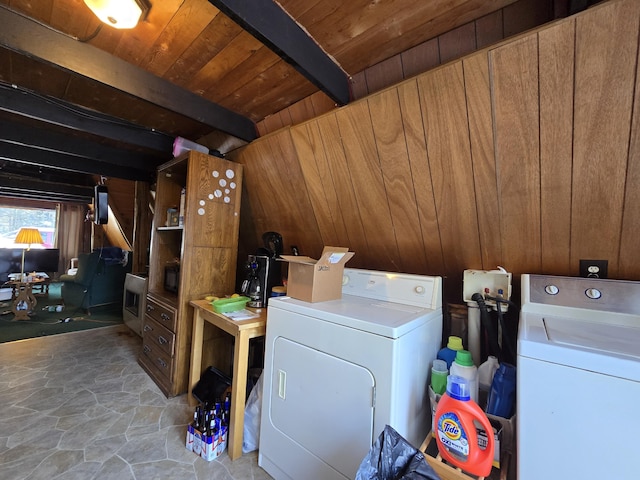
(192, 52)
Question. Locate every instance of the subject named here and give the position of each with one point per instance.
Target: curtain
(71, 236)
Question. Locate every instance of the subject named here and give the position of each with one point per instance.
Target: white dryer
(578, 379)
(337, 372)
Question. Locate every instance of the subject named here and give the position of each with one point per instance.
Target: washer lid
(607, 348)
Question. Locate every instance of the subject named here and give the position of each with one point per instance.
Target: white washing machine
(578, 379)
(337, 372)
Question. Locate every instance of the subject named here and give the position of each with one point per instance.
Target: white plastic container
(464, 367)
(182, 145)
(486, 371)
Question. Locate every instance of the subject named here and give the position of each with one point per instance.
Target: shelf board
(177, 227)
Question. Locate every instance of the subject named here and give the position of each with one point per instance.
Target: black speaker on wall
(100, 205)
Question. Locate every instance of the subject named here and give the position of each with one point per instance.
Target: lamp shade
(118, 13)
(29, 236)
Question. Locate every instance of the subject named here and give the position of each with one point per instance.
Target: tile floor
(78, 406)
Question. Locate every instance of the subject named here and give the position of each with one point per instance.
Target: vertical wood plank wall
(524, 155)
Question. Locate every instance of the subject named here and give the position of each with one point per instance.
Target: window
(12, 219)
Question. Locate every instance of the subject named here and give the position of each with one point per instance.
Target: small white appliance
(134, 301)
(337, 372)
(578, 378)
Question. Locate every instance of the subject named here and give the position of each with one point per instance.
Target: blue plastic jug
(503, 391)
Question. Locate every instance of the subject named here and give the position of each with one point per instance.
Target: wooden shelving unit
(205, 247)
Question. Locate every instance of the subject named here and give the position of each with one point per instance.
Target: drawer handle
(162, 340)
(146, 349)
(147, 328)
(165, 317)
(162, 363)
(150, 308)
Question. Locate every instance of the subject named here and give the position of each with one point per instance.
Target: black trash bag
(393, 458)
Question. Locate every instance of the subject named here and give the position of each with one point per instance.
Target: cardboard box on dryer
(319, 280)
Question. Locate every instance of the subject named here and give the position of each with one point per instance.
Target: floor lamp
(28, 236)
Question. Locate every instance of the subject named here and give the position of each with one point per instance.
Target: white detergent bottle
(486, 371)
(464, 367)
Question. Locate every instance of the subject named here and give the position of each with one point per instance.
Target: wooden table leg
(195, 369)
(24, 302)
(238, 394)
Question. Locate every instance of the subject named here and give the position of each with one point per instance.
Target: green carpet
(43, 322)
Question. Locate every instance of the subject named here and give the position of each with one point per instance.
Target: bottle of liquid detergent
(463, 367)
(503, 391)
(448, 353)
(439, 373)
(456, 434)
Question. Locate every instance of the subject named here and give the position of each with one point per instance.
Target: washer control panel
(620, 296)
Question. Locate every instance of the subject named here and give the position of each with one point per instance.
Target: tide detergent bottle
(456, 434)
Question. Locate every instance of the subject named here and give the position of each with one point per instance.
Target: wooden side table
(243, 331)
(23, 302)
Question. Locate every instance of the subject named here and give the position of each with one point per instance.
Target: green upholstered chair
(99, 279)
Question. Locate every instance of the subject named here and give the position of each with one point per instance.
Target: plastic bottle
(463, 367)
(439, 373)
(456, 434)
(486, 371)
(448, 353)
(503, 391)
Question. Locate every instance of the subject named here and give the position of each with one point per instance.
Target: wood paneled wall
(524, 155)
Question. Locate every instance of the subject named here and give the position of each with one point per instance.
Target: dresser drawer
(165, 316)
(156, 334)
(154, 358)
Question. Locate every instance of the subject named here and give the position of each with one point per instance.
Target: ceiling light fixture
(119, 13)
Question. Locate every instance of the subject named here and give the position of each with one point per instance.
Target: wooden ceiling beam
(270, 24)
(81, 152)
(16, 186)
(25, 36)
(62, 161)
(57, 112)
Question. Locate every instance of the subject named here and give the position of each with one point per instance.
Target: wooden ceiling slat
(238, 50)
(315, 13)
(266, 90)
(299, 10)
(220, 31)
(260, 61)
(276, 100)
(135, 44)
(40, 9)
(70, 17)
(184, 26)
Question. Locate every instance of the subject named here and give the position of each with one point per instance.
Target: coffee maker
(263, 271)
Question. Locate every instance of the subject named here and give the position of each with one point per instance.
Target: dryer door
(323, 403)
